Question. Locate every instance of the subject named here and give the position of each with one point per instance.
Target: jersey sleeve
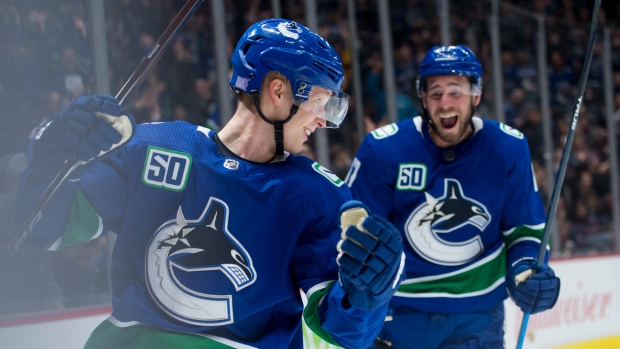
(369, 179)
(73, 214)
(331, 318)
(523, 219)
(327, 312)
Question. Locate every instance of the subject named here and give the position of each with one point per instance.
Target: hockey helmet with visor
(306, 59)
(451, 60)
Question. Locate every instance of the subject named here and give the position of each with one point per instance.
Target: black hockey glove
(371, 259)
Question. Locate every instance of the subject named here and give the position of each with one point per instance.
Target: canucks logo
(184, 253)
(290, 30)
(444, 230)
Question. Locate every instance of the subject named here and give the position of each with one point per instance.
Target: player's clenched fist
(76, 133)
(370, 259)
(532, 292)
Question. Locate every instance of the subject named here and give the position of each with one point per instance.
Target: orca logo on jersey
(453, 215)
(188, 262)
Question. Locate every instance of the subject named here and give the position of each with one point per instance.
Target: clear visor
(451, 91)
(327, 105)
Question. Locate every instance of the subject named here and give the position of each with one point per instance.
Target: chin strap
(279, 136)
(427, 117)
(277, 125)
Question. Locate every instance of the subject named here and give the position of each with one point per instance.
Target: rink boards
(587, 315)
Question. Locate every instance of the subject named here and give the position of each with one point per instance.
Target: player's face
(309, 117)
(449, 100)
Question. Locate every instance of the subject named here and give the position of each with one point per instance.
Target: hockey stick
(553, 204)
(134, 81)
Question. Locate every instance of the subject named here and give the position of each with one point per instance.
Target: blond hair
(246, 99)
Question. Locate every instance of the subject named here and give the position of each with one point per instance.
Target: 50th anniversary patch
(166, 169)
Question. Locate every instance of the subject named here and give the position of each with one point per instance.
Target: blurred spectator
(530, 123)
(589, 235)
(509, 71)
(179, 113)
(561, 75)
(29, 286)
(405, 70)
(203, 105)
(81, 273)
(146, 107)
(588, 196)
(72, 73)
(340, 160)
(178, 77)
(527, 74)
(513, 105)
(46, 60)
(374, 93)
(566, 245)
(541, 180)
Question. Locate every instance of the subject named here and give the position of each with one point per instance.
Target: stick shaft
(555, 196)
(134, 81)
(158, 49)
(553, 203)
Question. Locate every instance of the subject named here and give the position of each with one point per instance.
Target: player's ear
(477, 99)
(277, 91)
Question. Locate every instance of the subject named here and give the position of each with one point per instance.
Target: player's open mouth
(448, 121)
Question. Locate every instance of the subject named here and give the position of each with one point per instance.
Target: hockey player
(462, 192)
(217, 232)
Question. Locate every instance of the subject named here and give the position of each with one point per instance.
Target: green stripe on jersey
(312, 341)
(311, 315)
(522, 232)
(478, 278)
(84, 223)
(107, 336)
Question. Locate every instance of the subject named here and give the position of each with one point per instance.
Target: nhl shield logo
(231, 164)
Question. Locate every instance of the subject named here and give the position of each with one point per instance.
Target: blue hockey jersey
(464, 212)
(209, 244)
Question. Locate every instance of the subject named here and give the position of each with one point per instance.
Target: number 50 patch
(166, 169)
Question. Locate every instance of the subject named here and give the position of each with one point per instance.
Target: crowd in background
(47, 60)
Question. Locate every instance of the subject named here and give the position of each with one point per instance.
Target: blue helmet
(450, 60)
(304, 57)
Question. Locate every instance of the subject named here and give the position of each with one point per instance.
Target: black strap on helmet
(277, 125)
